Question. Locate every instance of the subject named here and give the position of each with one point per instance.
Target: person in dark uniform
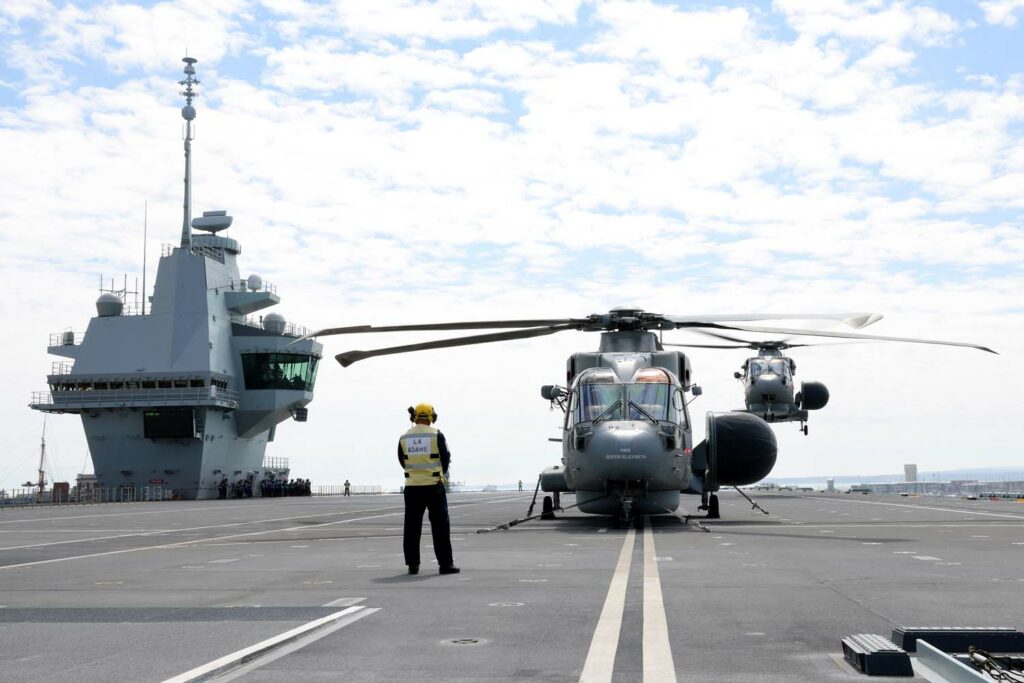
(222, 488)
(423, 454)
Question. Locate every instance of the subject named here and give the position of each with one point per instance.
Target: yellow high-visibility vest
(422, 456)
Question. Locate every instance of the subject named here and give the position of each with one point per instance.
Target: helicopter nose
(772, 387)
(626, 450)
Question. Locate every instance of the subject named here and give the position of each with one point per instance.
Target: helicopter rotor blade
(756, 346)
(347, 358)
(849, 335)
(854, 320)
(435, 327)
(709, 346)
(745, 342)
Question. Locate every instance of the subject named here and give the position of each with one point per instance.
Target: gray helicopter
(627, 444)
(769, 385)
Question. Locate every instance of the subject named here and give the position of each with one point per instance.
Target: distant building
(830, 485)
(910, 473)
(85, 487)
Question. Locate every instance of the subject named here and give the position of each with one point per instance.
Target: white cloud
(880, 20)
(412, 19)
(466, 100)
(326, 66)
(1002, 12)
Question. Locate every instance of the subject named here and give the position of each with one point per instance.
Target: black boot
(414, 569)
(449, 569)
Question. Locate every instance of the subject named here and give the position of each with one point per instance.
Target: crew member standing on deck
(423, 454)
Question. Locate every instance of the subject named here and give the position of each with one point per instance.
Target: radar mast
(188, 112)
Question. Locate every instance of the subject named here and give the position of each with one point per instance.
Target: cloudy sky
(406, 161)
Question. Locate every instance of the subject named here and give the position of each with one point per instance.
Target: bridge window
(287, 371)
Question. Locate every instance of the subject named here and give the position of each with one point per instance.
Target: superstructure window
(289, 371)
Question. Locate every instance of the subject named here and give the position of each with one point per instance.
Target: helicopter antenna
(188, 112)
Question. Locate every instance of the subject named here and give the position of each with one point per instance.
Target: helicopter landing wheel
(713, 512)
(547, 508)
(626, 514)
(804, 430)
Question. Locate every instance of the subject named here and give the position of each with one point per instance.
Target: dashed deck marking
(601, 657)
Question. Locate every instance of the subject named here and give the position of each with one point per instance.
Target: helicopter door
(679, 413)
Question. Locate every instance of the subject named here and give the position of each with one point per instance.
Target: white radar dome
(109, 304)
(255, 282)
(274, 322)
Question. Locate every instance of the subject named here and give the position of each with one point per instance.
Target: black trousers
(433, 499)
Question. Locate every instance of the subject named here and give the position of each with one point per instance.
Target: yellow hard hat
(422, 411)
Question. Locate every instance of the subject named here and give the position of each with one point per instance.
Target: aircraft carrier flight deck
(315, 589)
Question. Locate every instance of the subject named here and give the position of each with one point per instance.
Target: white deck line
(924, 507)
(344, 602)
(657, 651)
(600, 660)
(235, 659)
(198, 541)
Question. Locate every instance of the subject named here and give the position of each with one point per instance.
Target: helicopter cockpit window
(648, 401)
(758, 367)
(602, 401)
(779, 366)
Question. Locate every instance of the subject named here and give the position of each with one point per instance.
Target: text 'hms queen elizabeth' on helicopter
(627, 444)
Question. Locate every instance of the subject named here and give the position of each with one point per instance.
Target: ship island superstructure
(190, 391)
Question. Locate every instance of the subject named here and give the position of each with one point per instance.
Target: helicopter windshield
(602, 401)
(648, 401)
(779, 366)
(599, 396)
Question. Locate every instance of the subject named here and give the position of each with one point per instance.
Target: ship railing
(290, 329)
(339, 490)
(275, 463)
(66, 338)
(137, 397)
(243, 286)
(91, 495)
(132, 309)
(61, 367)
(215, 253)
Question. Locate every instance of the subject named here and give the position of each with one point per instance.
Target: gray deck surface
(147, 591)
